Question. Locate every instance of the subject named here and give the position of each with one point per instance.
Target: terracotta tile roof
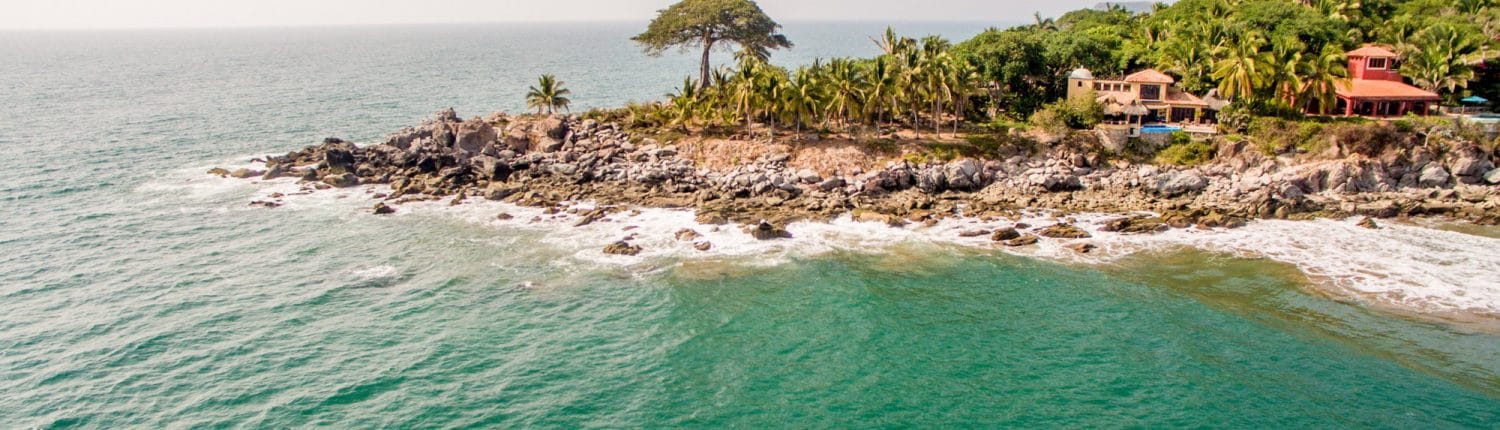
(1372, 51)
(1177, 97)
(1150, 76)
(1373, 89)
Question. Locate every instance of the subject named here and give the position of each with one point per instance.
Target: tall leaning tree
(708, 24)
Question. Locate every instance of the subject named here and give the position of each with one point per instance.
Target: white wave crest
(1417, 268)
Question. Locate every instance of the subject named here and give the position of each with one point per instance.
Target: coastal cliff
(548, 161)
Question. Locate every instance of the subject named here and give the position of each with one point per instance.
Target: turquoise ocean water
(135, 292)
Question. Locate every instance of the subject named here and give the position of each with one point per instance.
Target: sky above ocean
(115, 14)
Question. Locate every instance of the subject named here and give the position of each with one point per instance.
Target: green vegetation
(915, 84)
(1274, 58)
(1184, 151)
(548, 95)
(1061, 115)
(708, 24)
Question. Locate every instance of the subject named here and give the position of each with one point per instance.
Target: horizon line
(995, 23)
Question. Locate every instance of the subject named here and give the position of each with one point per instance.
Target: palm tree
(549, 95)
(801, 97)
(684, 104)
(1324, 74)
(891, 44)
(1288, 68)
(1442, 57)
(1243, 69)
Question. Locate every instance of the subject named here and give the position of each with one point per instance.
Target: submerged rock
(765, 231)
(1004, 234)
(1025, 240)
(622, 248)
(687, 234)
(1064, 231)
(383, 209)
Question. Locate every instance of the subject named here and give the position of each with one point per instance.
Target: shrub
(1234, 119)
(1184, 151)
(1368, 140)
(1058, 116)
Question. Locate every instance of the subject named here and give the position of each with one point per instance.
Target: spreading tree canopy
(708, 24)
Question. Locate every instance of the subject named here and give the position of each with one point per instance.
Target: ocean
(136, 291)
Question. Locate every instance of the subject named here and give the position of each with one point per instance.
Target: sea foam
(1413, 267)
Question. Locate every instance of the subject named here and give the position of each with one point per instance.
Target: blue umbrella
(1475, 100)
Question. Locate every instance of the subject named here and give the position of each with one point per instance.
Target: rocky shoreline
(551, 161)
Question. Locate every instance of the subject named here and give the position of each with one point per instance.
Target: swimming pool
(1157, 128)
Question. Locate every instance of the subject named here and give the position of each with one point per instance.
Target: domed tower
(1080, 83)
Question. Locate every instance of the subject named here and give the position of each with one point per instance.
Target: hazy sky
(86, 14)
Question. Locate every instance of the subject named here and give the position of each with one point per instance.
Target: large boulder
(473, 135)
(1173, 184)
(340, 159)
(553, 126)
(1063, 231)
(1493, 177)
(1470, 170)
(516, 140)
(494, 169)
(622, 248)
(963, 175)
(1433, 176)
(765, 231)
(1005, 234)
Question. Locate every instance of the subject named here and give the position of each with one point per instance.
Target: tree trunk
(708, 46)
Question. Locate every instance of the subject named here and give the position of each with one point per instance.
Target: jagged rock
(1005, 234)
(590, 217)
(245, 173)
(341, 180)
(1063, 231)
(1493, 177)
(553, 127)
(382, 209)
(711, 218)
(474, 135)
(339, 160)
(1471, 169)
(1369, 223)
(687, 234)
(1433, 176)
(1082, 248)
(808, 176)
(498, 191)
(973, 233)
(703, 246)
(274, 172)
(1134, 225)
(765, 231)
(1025, 240)
(1180, 183)
(831, 184)
(622, 248)
(219, 171)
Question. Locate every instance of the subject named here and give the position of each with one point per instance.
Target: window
(1377, 63)
(1098, 86)
(1150, 92)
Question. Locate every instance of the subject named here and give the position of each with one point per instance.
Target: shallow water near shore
(135, 291)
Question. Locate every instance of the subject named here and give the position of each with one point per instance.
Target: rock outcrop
(544, 161)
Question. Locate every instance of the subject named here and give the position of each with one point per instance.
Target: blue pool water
(1160, 128)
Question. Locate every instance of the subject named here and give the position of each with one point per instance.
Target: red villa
(1375, 87)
